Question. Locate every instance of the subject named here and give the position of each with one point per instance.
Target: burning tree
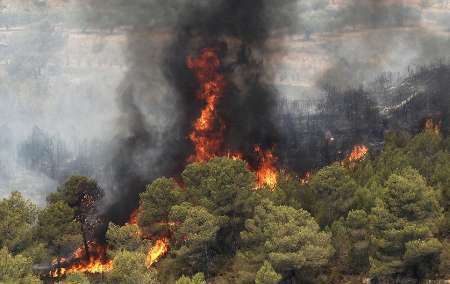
(81, 194)
(204, 218)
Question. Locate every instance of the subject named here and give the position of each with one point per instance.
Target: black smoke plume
(157, 120)
(158, 100)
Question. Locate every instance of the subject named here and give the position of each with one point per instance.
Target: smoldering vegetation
(325, 131)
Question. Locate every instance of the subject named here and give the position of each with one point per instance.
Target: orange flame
(133, 217)
(96, 263)
(207, 136)
(305, 180)
(358, 153)
(157, 251)
(266, 174)
(208, 129)
(433, 127)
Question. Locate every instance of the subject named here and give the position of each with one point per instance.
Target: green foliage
(288, 191)
(441, 181)
(38, 252)
(223, 186)
(290, 238)
(198, 278)
(58, 229)
(156, 203)
(18, 215)
(359, 236)
(197, 230)
(403, 227)
(333, 191)
(351, 240)
(444, 260)
(393, 158)
(408, 196)
(124, 237)
(16, 269)
(422, 151)
(267, 275)
(129, 268)
(385, 217)
(76, 278)
(74, 190)
(197, 225)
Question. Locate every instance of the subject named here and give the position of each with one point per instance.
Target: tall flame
(158, 250)
(207, 136)
(267, 173)
(208, 130)
(79, 262)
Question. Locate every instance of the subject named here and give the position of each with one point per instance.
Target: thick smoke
(147, 120)
(375, 37)
(238, 30)
(158, 96)
(158, 102)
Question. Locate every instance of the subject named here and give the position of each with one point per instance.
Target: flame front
(160, 248)
(79, 262)
(94, 266)
(267, 173)
(358, 153)
(207, 135)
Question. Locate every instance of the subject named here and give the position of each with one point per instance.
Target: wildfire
(208, 130)
(358, 153)
(79, 262)
(266, 174)
(160, 248)
(133, 217)
(431, 126)
(305, 180)
(207, 135)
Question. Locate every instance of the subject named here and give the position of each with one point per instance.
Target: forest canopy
(383, 217)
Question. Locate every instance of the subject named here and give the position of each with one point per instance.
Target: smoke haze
(107, 80)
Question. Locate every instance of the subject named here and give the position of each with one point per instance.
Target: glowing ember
(433, 127)
(305, 180)
(207, 135)
(358, 153)
(266, 174)
(157, 251)
(79, 262)
(170, 224)
(234, 156)
(133, 217)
